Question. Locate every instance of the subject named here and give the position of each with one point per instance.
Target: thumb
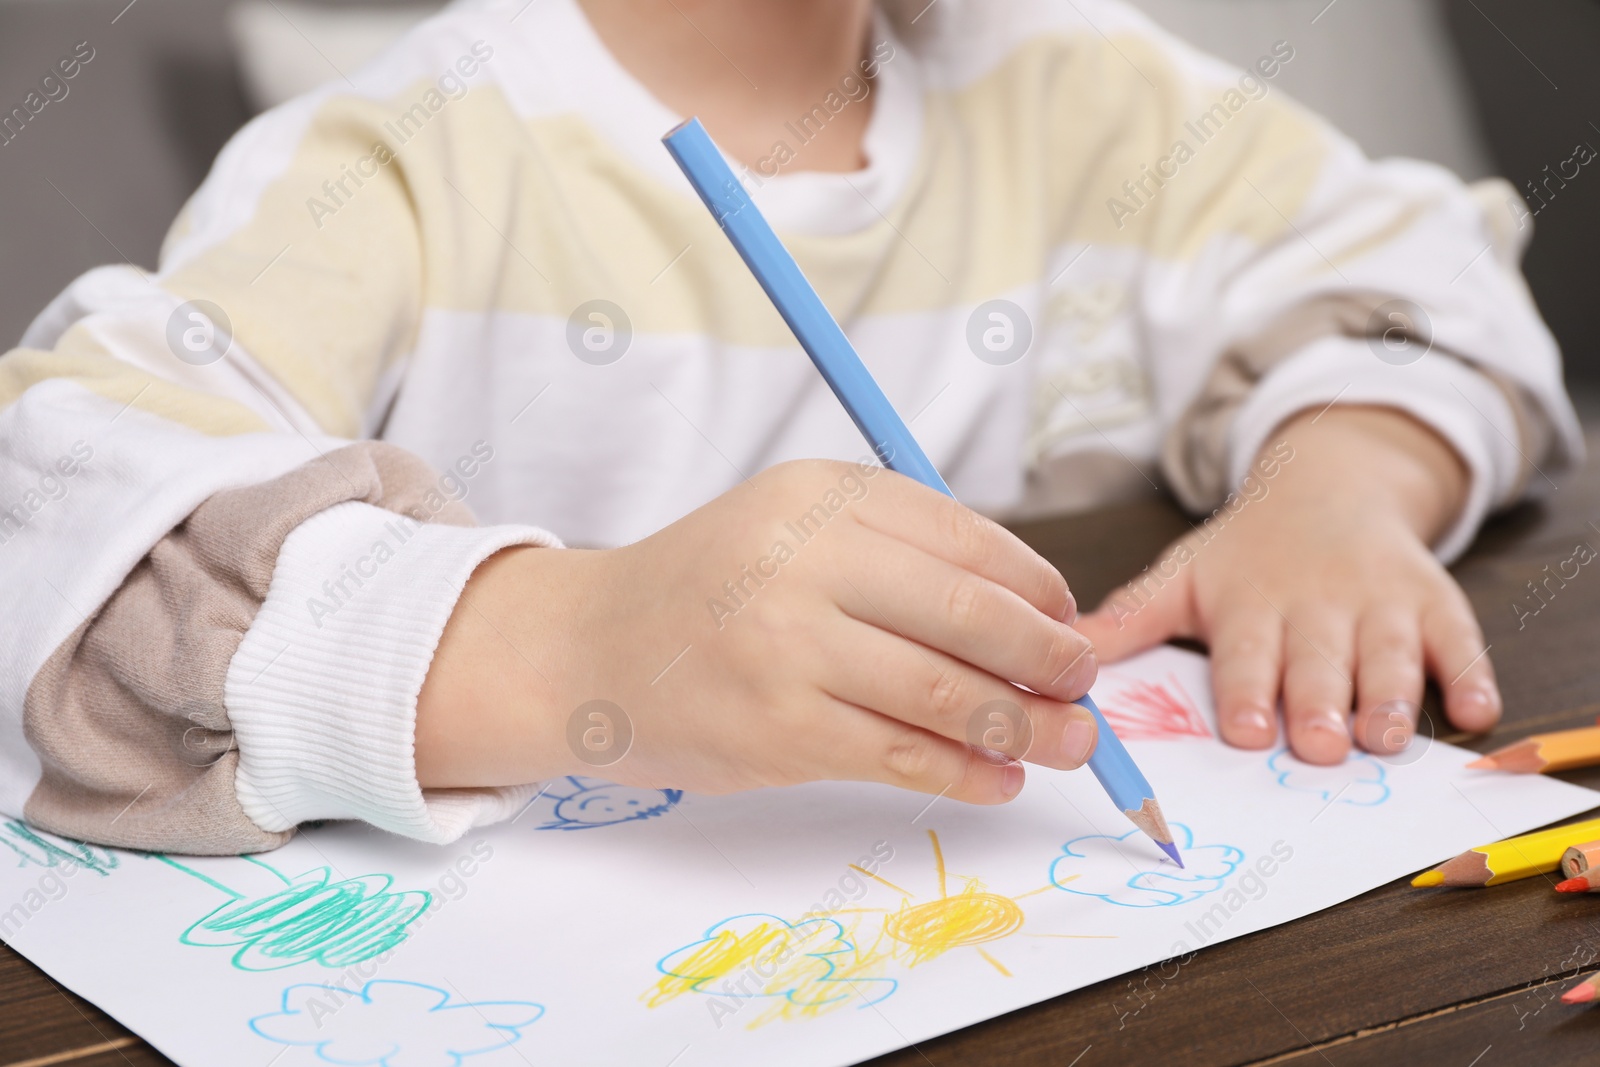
(1141, 614)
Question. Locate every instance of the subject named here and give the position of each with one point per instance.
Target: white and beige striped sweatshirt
(229, 554)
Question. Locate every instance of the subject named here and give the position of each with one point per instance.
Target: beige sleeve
(127, 716)
(1195, 454)
(1388, 284)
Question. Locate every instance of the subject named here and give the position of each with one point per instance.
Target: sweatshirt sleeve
(1287, 272)
(220, 610)
(260, 667)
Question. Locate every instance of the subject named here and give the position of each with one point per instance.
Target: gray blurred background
(1481, 86)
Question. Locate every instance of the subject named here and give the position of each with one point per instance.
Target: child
(247, 591)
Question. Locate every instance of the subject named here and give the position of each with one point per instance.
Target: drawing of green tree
(311, 919)
(32, 849)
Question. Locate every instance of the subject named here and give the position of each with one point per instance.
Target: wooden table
(1467, 978)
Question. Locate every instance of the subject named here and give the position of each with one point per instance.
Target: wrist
(1374, 457)
(487, 714)
(322, 690)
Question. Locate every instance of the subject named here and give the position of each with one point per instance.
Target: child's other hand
(1321, 592)
(823, 621)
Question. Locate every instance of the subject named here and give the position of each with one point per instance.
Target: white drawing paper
(817, 925)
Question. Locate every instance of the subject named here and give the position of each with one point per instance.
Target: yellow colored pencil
(1513, 858)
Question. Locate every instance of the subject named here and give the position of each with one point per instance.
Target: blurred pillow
(286, 48)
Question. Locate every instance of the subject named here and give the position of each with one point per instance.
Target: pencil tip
(1171, 850)
(1573, 885)
(1582, 993)
(1427, 878)
(1484, 763)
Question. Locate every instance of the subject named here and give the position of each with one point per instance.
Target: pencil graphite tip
(1582, 993)
(1427, 878)
(1484, 763)
(1573, 885)
(1171, 850)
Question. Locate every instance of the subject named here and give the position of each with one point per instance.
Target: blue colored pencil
(819, 334)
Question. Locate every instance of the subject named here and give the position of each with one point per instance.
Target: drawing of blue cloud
(1093, 866)
(812, 964)
(1360, 780)
(393, 1024)
(585, 803)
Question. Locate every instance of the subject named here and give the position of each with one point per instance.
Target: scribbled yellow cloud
(798, 969)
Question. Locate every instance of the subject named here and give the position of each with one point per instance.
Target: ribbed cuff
(1442, 392)
(322, 692)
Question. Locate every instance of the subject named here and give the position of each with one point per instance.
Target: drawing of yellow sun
(820, 964)
(972, 917)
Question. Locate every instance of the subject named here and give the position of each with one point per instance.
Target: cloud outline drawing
(1302, 778)
(501, 1022)
(1163, 887)
(590, 803)
(838, 943)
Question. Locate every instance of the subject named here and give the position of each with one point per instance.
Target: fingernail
(1253, 720)
(1069, 614)
(1083, 672)
(1329, 721)
(1011, 780)
(1324, 737)
(1077, 742)
(1476, 709)
(1395, 738)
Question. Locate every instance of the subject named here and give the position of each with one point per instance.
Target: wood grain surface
(1468, 978)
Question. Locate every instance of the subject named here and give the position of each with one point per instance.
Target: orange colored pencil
(1546, 752)
(1581, 865)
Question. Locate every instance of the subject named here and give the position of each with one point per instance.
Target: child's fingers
(873, 748)
(927, 519)
(927, 689)
(1389, 678)
(1459, 660)
(1246, 644)
(1317, 684)
(924, 599)
(1130, 621)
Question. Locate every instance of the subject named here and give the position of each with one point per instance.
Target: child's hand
(825, 621)
(1321, 591)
